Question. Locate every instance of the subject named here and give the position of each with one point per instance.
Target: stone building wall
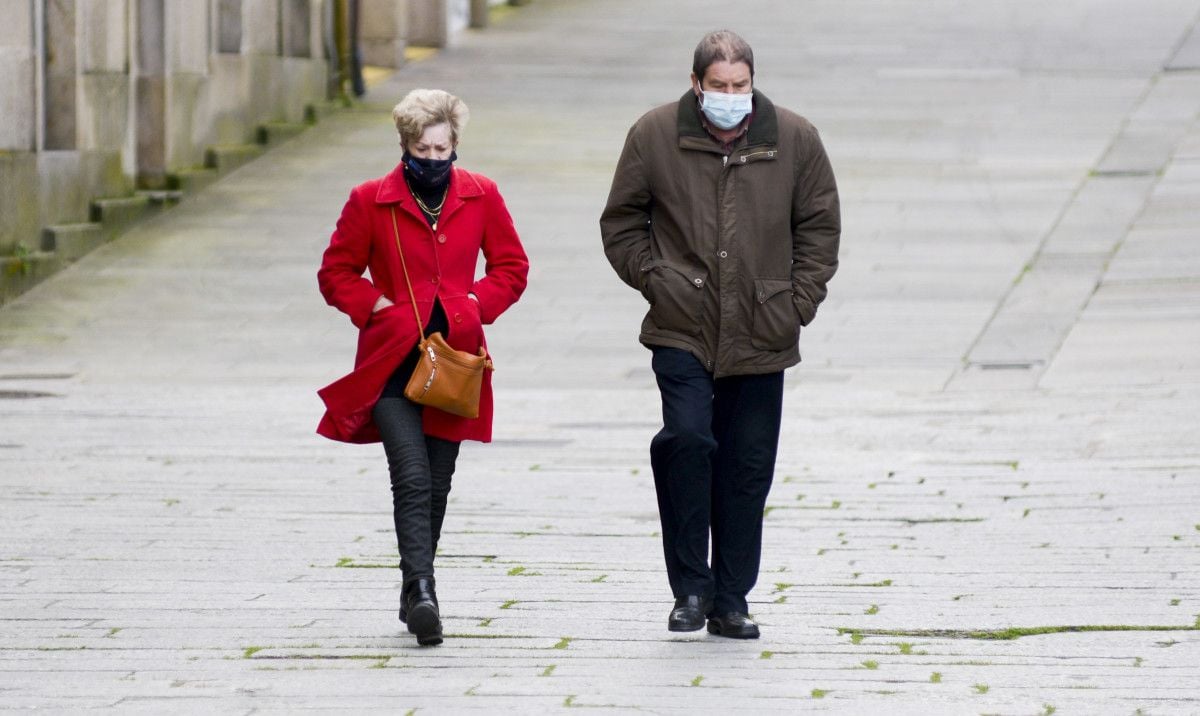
(111, 107)
(101, 98)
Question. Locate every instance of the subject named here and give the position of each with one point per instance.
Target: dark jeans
(421, 467)
(713, 464)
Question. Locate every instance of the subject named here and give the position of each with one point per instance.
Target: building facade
(122, 100)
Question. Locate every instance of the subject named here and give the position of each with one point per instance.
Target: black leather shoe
(733, 625)
(420, 611)
(688, 614)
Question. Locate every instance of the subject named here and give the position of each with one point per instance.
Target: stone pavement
(988, 491)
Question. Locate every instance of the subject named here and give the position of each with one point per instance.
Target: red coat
(442, 265)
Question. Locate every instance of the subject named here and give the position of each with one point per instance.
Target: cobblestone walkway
(988, 493)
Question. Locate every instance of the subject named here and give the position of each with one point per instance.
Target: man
(724, 213)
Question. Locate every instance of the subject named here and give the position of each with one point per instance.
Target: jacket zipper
(711, 362)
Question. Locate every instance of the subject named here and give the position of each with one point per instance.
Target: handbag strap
(412, 297)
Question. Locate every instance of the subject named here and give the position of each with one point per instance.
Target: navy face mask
(428, 173)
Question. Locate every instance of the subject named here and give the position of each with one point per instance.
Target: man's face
(726, 77)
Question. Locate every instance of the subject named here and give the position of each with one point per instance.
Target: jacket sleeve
(625, 222)
(341, 274)
(506, 267)
(816, 228)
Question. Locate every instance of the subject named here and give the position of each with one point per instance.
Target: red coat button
(458, 318)
(434, 279)
(441, 238)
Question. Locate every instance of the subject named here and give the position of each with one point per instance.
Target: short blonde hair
(423, 108)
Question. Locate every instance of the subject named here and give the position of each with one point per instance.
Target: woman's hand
(381, 304)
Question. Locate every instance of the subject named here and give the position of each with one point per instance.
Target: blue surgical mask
(725, 110)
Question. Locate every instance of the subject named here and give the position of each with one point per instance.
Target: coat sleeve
(506, 267)
(816, 227)
(341, 274)
(625, 222)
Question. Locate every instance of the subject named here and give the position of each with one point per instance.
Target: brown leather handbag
(445, 378)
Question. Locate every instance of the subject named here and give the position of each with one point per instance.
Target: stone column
(59, 75)
(383, 29)
(103, 80)
(16, 81)
(427, 23)
(479, 13)
(190, 30)
(18, 134)
(260, 27)
(150, 93)
(297, 28)
(229, 26)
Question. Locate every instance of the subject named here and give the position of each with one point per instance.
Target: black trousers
(713, 464)
(420, 467)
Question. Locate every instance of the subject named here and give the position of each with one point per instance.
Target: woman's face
(434, 143)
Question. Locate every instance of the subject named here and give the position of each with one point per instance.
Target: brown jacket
(732, 250)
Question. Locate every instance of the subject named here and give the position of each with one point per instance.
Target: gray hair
(423, 108)
(722, 45)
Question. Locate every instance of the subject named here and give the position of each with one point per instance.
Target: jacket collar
(394, 189)
(764, 126)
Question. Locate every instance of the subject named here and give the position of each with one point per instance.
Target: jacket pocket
(676, 296)
(381, 313)
(384, 326)
(776, 324)
(466, 325)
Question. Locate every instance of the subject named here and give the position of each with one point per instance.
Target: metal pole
(341, 34)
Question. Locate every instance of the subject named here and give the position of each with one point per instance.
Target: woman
(443, 218)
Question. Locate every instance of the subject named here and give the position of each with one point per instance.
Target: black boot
(420, 610)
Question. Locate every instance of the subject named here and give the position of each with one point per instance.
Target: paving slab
(946, 534)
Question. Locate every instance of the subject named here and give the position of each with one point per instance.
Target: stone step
(273, 133)
(18, 274)
(317, 111)
(117, 214)
(227, 157)
(70, 241)
(162, 198)
(189, 181)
